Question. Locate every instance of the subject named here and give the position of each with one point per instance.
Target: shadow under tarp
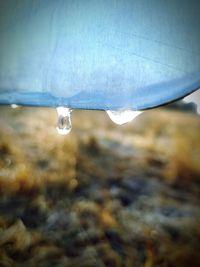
(102, 196)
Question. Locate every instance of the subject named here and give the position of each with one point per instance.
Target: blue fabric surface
(98, 54)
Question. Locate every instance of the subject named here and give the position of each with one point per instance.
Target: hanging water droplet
(194, 98)
(64, 125)
(122, 116)
(14, 106)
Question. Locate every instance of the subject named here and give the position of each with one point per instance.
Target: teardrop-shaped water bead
(64, 124)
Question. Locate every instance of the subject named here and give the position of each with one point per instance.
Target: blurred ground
(105, 195)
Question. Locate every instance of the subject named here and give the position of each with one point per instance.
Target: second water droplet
(194, 98)
(14, 106)
(64, 124)
(122, 116)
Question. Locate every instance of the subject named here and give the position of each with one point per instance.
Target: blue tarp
(98, 54)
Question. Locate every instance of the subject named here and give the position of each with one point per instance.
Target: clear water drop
(64, 124)
(14, 106)
(122, 116)
(195, 98)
